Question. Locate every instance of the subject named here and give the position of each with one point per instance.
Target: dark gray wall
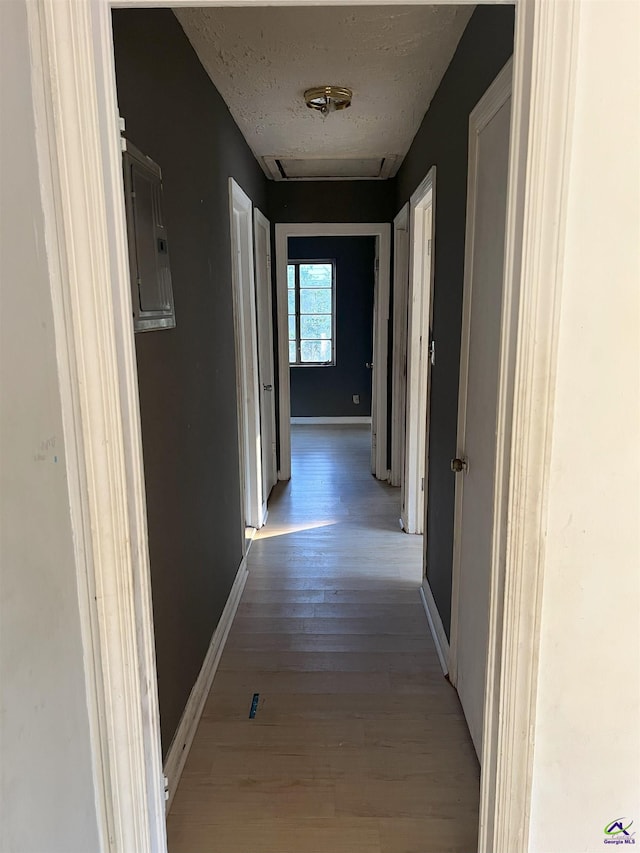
(332, 201)
(328, 391)
(187, 375)
(442, 140)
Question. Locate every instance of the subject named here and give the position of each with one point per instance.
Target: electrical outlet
(356, 399)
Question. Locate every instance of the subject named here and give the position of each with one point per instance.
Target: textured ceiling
(262, 59)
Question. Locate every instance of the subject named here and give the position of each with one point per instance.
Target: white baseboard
(327, 420)
(183, 738)
(436, 626)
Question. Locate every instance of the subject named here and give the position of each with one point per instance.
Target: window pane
(315, 351)
(315, 275)
(315, 302)
(291, 297)
(318, 326)
(292, 328)
(291, 276)
(292, 352)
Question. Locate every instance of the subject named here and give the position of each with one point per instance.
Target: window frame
(298, 339)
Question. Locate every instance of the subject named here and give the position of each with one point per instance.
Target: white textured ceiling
(262, 59)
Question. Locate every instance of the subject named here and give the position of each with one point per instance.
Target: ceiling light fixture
(327, 99)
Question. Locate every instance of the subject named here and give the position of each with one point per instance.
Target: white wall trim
(382, 231)
(541, 121)
(73, 42)
(183, 738)
(399, 352)
(83, 195)
(435, 625)
(414, 484)
(266, 363)
(328, 420)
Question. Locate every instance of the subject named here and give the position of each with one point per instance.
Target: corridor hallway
(358, 744)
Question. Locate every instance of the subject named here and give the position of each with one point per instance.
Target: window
(311, 297)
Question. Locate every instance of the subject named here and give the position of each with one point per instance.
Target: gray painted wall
(328, 391)
(47, 796)
(332, 201)
(187, 375)
(442, 140)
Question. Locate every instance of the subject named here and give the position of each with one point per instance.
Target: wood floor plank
(333, 642)
(323, 661)
(283, 835)
(358, 744)
(390, 709)
(427, 835)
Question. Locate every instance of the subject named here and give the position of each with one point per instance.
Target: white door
(399, 385)
(477, 406)
(244, 309)
(372, 365)
(418, 383)
(262, 236)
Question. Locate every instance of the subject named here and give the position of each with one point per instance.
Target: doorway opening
(376, 367)
(99, 343)
(331, 285)
(419, 355)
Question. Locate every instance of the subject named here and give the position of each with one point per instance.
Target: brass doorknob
(458, 465)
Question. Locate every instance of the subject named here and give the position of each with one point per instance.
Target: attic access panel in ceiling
(326, 168)
(263, 58)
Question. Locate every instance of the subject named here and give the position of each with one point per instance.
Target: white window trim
(79, 150)
(332, 362)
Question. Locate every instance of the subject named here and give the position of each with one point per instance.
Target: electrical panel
(151, 289)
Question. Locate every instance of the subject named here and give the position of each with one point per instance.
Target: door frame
(382, 232)
(260, 221)
(246, 347)
(78, 143)
(418, 381)
(493, 99)
(399, 352)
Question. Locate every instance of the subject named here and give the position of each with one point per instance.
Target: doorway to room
(330, 299)
(359, 328)
(87, 89)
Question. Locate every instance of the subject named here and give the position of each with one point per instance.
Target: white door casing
(399, 356)
(78, 141)
(474, 525)
(420, 311)
(246, 338)
(375, 369)
(266, 378)
(382, 233)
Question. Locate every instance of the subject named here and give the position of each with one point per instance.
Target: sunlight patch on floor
(284, 529)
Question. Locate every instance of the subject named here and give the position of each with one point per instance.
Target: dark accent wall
(332, 201)
(442, 140)
(328, 391)
(186, 375)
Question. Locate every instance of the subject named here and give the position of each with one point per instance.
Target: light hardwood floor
(359, 744)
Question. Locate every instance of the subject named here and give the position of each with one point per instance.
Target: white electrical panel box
(151, 289)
